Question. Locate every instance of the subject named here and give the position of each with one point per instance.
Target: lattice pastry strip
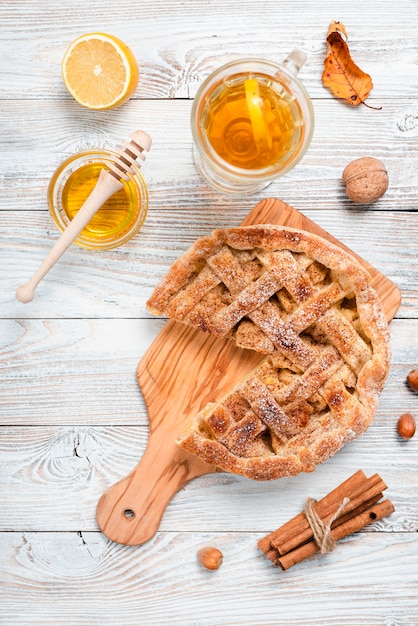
(310, 307)
(184, 301)
(345, 338)
(281, 336)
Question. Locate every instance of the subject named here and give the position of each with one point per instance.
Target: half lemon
(100, 71)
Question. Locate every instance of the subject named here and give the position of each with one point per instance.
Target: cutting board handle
(130, 511)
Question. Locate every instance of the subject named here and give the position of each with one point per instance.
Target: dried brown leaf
(341, 75)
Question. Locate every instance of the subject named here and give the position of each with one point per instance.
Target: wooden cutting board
(183, 370)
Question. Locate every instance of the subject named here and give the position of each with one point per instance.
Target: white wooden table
(72, 419)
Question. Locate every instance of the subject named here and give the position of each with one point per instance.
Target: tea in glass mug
(252, 120)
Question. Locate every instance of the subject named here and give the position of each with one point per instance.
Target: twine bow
(321, 530)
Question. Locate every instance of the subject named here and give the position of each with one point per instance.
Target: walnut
(365, 180)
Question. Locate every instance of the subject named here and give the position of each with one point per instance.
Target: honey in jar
(120, 217)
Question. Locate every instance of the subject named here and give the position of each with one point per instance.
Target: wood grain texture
(57, 473)
(72, 419)
(68, 578)
(341, 134)
(117, 283)
(176, 48)
(39, 375)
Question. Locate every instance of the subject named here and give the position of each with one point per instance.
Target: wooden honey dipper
(108, 183)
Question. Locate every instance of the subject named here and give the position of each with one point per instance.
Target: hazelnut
(412, 379)
(209, 557)
(365, 180)
(406, 426)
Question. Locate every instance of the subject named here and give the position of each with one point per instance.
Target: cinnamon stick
(370, 491)
(356, 523)
(273, 553)
(345, 510)
(299, 523)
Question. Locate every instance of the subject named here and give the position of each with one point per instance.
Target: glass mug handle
(294, 61)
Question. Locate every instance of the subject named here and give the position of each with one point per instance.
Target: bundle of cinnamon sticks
(358, 500)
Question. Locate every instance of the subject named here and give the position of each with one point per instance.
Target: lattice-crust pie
(309, 307)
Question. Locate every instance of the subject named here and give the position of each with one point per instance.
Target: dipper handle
(108, 183)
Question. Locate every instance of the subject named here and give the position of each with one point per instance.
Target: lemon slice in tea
(100, 71)
(259, 126)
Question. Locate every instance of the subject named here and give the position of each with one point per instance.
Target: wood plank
(51, 478)
(39, 371)
(117, 283)
(63, 128)
(60, 578)
(176, 51)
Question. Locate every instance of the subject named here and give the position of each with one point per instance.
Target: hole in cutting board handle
(129, 514)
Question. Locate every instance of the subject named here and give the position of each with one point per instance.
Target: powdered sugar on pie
(309, 307)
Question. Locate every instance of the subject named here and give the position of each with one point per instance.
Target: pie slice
(309, 307)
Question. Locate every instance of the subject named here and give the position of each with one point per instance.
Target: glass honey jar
(121, 216)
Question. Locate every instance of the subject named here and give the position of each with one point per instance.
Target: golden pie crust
(309, 307)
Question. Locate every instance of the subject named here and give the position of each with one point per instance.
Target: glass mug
(252, 120)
